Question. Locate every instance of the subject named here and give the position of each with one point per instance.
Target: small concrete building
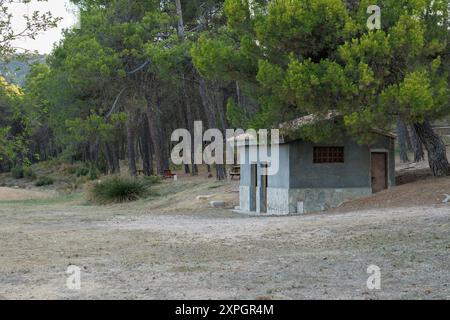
(314, 177)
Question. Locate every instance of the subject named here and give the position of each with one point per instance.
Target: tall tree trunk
(146, 147)
(94, 149)
(116, 156)
(163, 141)
(157, 138)
(189, 118)
(190, 126)
(402, 133)
(408, 138)
(221, 173)
(416, 146)
(180, 19)
(212, 100)
(109, 159)
(437, 156)
(131, 147)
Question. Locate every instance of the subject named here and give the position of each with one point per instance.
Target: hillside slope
(16, 70)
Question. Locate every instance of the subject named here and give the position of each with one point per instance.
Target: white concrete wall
(244, 198)
(278, 201)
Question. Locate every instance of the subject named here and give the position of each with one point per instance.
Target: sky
(44, 41)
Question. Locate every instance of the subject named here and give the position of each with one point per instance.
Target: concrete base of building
(283, 201)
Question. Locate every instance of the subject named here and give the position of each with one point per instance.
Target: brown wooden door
(379, 172)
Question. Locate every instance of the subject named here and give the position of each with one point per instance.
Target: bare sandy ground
(131, 252)
(12, 194)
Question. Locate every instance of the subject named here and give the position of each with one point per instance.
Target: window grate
(328, 154)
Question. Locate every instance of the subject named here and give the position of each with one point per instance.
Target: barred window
(328, 154)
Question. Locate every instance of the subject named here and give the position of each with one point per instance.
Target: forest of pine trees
(136, 70)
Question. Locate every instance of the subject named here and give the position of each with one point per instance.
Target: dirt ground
(174, 247)
(427, 191)
(10, 194)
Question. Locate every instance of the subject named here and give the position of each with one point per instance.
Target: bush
(44, 181)
(17, 172)
(71, 169)
(93, 173)
(82, 171)
(117, 189)
(87, 170)
(29, 174)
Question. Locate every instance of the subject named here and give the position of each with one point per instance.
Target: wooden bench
(168, 174)
(139, 172)
(236, 172)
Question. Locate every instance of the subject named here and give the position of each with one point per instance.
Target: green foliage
(271, 77)
(274, 62)
(17, 172)
(13, 124)
(117, 190)
(218, 58)
(94, 126)
(78, 93)
(305, 28)
(82, 171)
(238, 13)
(398, 71)
(315, 87)
(236, 115)
(88, 170)
(317, 56)
(29, 174)
(72, 169)
(44, 181)
(93, 173)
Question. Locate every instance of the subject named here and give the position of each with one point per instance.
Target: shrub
(93, 173)
(29, 174)
(87, 170)
(44, 181)
(17, 172)
(72, 169)
(82, 171)
(117, 189)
